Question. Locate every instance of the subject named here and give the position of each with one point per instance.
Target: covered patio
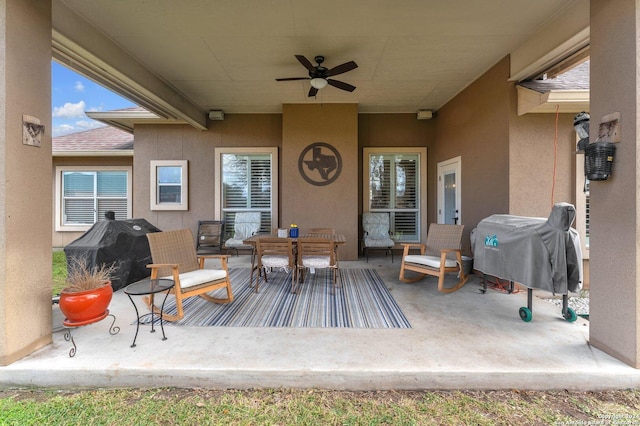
(463, 340)
(460, 340)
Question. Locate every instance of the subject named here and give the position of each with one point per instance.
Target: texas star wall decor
(320, 164)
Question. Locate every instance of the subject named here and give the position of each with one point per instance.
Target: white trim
(422, 182)
(581, 204)
(59, 226)
(184, 195)
(273, 152)
(452, 164)
(568, 101)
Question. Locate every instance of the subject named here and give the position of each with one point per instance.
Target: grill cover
(536, 252)
(120, 242)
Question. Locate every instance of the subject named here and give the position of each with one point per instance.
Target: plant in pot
(88, 292)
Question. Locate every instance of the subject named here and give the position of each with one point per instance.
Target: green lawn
(59, 271)
(315, 407)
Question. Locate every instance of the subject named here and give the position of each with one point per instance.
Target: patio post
(25, 177)
(614, 310)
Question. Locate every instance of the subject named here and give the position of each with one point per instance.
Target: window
(393, 181)
(84, 194)
(247, 182)
(169, 185)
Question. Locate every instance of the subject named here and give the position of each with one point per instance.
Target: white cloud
(69, 110)
(62, 129)
(79, 86)
(86, 125)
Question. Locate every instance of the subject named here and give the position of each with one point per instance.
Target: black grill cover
(119, 242)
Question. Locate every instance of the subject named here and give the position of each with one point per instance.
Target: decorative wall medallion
(320, 164)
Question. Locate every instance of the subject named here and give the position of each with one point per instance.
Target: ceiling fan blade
(292, 78)
(341, 85)
(312, 92)
(305, 62)
(347, 66)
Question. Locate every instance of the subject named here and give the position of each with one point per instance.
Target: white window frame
(273, 152)
(422, 182)
(60, 226)
(581, 205)
(184, 185)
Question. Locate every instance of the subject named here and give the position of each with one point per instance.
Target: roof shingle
(105, 138)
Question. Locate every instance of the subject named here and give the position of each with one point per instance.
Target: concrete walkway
(462, 340)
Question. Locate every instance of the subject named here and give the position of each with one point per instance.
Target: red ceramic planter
(84, 306)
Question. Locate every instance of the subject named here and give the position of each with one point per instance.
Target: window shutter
(393, 188)
(234, 173)
(79, 211)
(246, 186)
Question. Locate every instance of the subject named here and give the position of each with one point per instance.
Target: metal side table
(148, 287)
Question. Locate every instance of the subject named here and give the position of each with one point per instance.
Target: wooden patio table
(338, 240)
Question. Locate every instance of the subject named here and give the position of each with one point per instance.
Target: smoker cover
(120, 242)
(536, 252)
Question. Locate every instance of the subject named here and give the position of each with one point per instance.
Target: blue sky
(72, 95)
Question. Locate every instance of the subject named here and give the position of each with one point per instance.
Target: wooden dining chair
(274, 253)
(325, 233)
(322, 231)
(317, 253)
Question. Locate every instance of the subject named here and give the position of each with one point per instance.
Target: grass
(59, 271)
(315, 407)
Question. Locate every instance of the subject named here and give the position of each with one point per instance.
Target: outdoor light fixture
(318, 83)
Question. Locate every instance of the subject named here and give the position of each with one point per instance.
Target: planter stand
(70, 325)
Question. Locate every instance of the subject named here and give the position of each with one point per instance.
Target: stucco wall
(25, 213)
(615, 300)
(531, 160)
(183, 142)
(475, 126)
(334, 205)
(177, 142)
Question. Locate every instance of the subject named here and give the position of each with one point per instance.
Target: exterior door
(449, 190)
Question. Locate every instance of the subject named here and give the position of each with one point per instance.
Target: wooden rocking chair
(174, 257)
(440, 255)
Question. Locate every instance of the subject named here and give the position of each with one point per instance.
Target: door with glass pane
(394, 188)
(449, 190)
(246, 186)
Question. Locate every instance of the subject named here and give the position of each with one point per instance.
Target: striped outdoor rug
(363, 301)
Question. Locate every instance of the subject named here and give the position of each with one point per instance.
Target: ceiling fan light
(318, 83)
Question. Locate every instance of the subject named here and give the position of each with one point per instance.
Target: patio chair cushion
(384, 241)
(275, 261)
(243, 230)
(199, 276)
(234, 242)
(430, 261)
(376, 225)
(316, 261)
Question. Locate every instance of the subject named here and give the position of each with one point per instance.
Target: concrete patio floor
(462, 340)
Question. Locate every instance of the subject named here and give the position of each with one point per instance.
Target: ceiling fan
(319, 75)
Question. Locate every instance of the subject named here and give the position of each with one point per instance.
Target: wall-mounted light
(318, 83)
(425, 114)
(216, 114)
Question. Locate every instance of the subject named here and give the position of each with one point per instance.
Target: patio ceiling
(180, 59)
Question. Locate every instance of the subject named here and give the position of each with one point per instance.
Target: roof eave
(126, 120)
(562, 101)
